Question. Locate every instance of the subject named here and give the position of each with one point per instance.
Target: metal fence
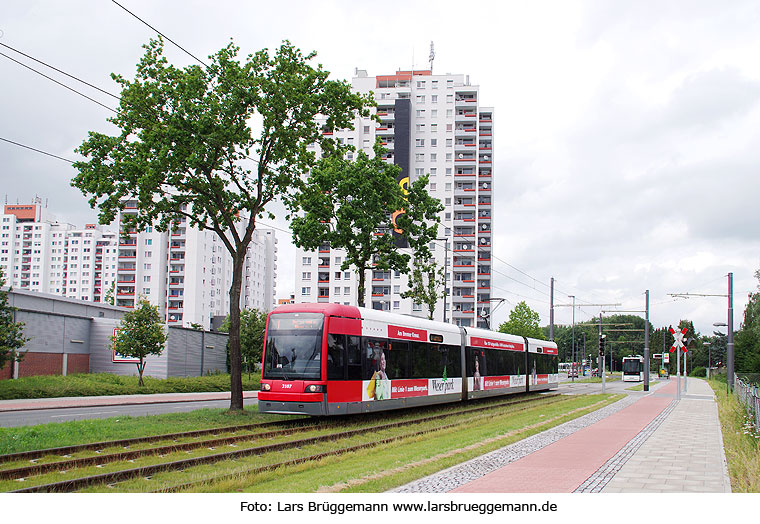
(749, 396)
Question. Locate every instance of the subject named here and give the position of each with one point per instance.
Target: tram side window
(438, 360)
(418, 360)
(473, 356)
(336, 357)
(373, 348)
(454, 361)
(398, 360)
(354, 357)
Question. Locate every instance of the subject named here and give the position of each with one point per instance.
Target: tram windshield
(631, 367)
(293, 346)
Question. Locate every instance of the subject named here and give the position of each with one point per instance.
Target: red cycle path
(564, 465)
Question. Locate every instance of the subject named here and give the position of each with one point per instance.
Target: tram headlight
(315, 388)
(266, 387)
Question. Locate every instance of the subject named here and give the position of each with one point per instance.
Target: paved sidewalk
(685, 454)
(115, 400)
(648, 442)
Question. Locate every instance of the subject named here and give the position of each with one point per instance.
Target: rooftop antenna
(432, 56)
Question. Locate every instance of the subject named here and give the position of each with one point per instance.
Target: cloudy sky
(626, 133)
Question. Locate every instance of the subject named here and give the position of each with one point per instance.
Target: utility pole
(646, 344)
(573, 368)
(601, 354)
(730, 333)
(551, 311)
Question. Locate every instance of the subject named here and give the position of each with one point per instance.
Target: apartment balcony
(125, 280)
(464, 232)
(126, 267)
(465, 116)
(386, 116)
(464, 190)
(464, 247)
(484, 186)
(485, 131)
(385, 129)
(381, 305)
(121, 302)
(465, 131)
(484, 173)
(465, 100)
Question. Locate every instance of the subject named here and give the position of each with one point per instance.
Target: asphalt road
(44, 416)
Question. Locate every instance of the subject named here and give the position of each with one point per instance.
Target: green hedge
(98, 384)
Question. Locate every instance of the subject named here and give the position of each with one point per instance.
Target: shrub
(699, 372)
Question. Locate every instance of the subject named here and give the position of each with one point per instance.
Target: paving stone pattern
(461, 474)
(604, 475)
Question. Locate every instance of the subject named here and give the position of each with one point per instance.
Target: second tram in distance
(633, 368)
(330, 359)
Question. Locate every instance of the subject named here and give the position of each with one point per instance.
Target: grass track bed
(420, 446)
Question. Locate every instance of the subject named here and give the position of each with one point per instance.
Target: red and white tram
(329, 359)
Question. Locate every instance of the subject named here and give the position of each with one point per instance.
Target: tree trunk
(361, 291)
(140, 369)
(236, 370)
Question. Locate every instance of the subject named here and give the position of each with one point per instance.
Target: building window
(306, 260)
(305, 291)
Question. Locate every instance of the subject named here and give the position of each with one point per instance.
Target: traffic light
(602, 340)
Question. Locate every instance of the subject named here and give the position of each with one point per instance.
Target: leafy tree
(349, 204)
(419, 222)
(747, 339)
(140, 333)
(252, 325)
(110, 296)
(523, 321)
(185, 136)
(425, 282)
(11, 332)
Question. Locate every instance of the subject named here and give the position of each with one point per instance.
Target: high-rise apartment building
(186, 272)
(38, 253)
(430, 124)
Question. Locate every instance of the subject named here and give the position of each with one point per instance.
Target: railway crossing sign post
(677, 345)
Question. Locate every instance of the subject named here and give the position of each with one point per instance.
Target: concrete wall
(70, 336)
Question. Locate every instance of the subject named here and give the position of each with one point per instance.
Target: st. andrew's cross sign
(678, 343)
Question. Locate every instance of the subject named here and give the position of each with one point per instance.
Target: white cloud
(625, 133)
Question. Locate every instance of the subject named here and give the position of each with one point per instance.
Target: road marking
(86, 413)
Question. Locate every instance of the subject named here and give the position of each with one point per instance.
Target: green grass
(97, 384)
(43, 436)
(376, 469)
(740, 442)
